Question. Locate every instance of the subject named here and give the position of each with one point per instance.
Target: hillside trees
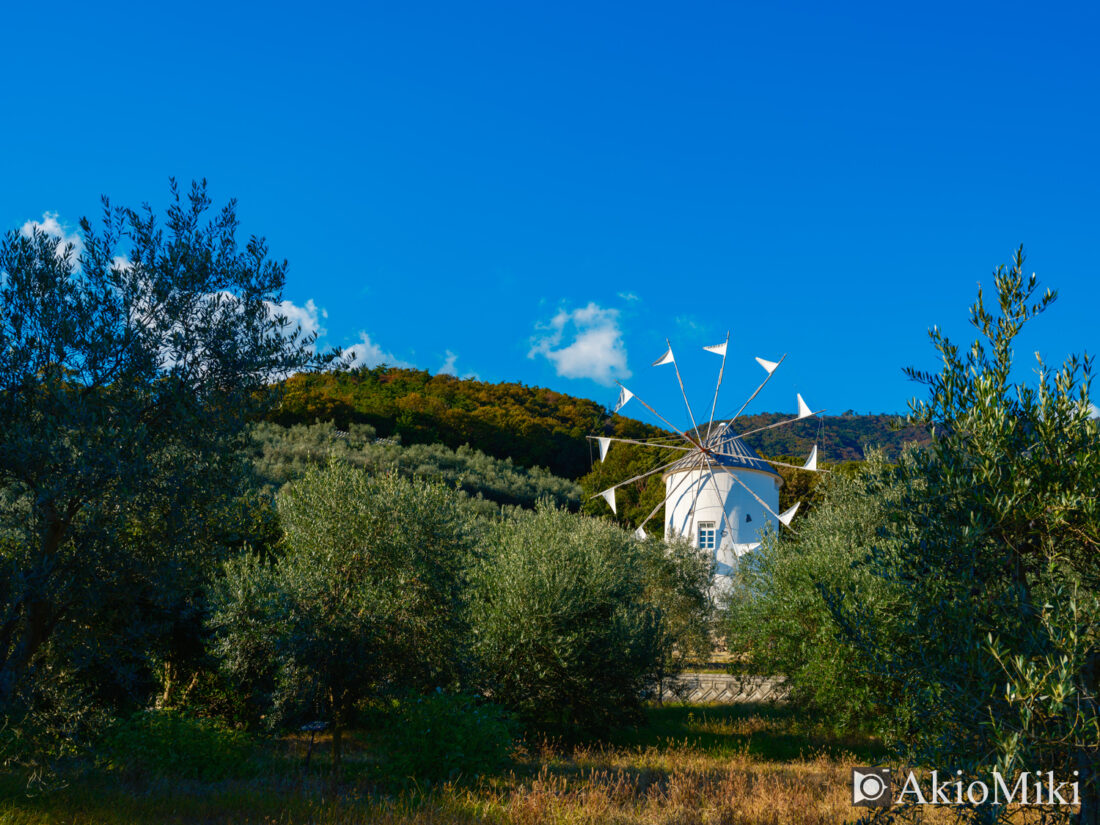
(535, 426)
(284, 453)
(127, 373)
(532, 426)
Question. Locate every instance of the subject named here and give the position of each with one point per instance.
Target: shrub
(777, 616)
(678, 578)
(365, 595)
(443, 736)
(562, 633)
(174, 744)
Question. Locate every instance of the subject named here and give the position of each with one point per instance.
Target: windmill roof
(727, 450)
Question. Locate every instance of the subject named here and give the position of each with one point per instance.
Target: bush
(678, 578)
(174, 744)
(777, 615)
(562, 632)
(443, 736)
(365, 597)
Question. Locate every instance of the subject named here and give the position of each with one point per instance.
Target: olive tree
(128, 370)
(364, 597)
(777, 613)
(563, 632)
(678, 579)
(993, 548)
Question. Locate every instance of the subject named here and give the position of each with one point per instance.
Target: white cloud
(308, 317)
(51, 225)
(629, 296)
(369, 354)
(1094, 411)
(595, 346)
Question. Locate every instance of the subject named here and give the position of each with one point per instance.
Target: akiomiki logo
(878, 788)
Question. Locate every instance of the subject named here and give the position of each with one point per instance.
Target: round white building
(717, 500)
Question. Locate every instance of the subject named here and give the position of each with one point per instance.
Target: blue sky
(543, 192)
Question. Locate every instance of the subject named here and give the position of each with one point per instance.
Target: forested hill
(533, 426)
(839, 437)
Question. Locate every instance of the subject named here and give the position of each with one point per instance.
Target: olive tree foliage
(282, 453)
(993, 550)
(364, 596)
(572, 620)
(678, 580)
(128, 369)
(777, 614)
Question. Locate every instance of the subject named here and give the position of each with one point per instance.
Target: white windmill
(719, 493)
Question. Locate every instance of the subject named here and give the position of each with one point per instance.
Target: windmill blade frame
(714, 449)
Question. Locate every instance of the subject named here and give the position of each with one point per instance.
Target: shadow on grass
(621, 770)
(776, 733)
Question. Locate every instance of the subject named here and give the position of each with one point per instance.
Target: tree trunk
(1088, 779)
(40, 615)
(337, 744)
(38, 622)
(169, 682)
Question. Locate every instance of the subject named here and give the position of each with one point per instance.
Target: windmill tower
(705, 504)
(720, 494)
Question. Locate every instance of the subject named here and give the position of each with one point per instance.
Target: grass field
(687, 764)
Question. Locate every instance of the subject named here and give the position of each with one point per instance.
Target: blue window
(707, 535)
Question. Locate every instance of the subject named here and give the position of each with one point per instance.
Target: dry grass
(681, 785)
(688, 765)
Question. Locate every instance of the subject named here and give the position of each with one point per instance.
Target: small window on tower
(748, 517)
(706, 535)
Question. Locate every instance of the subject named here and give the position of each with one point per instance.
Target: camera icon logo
(871, 787)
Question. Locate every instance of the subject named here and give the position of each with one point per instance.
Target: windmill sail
(811, 462)
(640, 534)
(767, 365)
(717, 349)
(804, 410)
(605, 443)
(665, 359)
(787, 515)
(609, 497)
(624, 396)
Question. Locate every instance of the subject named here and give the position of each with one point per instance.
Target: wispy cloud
(448, 367)
(584, 343)
(689, 324)
(1094, 411)
(53, 226)
(629, 296)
